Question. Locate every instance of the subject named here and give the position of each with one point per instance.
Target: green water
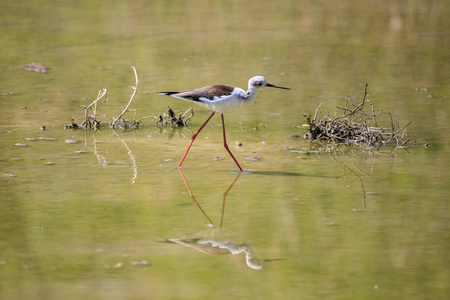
(92, 215)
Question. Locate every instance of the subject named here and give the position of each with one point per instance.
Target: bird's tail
(167, 93)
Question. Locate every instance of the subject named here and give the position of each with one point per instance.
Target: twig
(317, 109)
(87, 123)
(190, 117)
(373, 115)
(113, 123)
(404, 127)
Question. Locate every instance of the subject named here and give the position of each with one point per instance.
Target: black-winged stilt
(221, 98)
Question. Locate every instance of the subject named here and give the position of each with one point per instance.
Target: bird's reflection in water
(219, 241)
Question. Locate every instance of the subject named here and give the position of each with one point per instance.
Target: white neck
(252, 92)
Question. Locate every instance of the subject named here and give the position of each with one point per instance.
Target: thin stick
(404, 127)
(315, 114)
(190, 117)
(373, 115)
(113, 123)
(100, 95)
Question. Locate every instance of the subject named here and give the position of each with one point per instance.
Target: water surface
(107, 215)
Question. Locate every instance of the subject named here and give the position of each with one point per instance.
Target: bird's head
(258, 82)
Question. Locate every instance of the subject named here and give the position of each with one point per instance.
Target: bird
(221, 98)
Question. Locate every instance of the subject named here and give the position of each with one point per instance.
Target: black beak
(278, 87)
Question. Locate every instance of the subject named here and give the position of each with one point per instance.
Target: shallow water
(107, 214)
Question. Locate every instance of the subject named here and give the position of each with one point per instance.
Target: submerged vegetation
(165, 119)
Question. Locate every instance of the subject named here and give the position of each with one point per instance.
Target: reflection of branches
(171, 131)
(352, 171)
(101, 159)
(130, 154)
(355, 158)
(353, 168)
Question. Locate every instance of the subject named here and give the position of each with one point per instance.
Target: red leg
(226, 146)
(193, 138)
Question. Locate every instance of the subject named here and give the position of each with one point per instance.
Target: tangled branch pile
(355, 126)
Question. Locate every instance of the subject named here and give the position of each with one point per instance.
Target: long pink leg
(226, 145)
(193, 138)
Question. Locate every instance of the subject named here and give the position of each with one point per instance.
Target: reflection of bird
(221, 242)
(218, 241)
(221, 98)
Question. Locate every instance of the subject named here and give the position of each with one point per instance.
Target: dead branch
(87, 124)
(113, 123)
